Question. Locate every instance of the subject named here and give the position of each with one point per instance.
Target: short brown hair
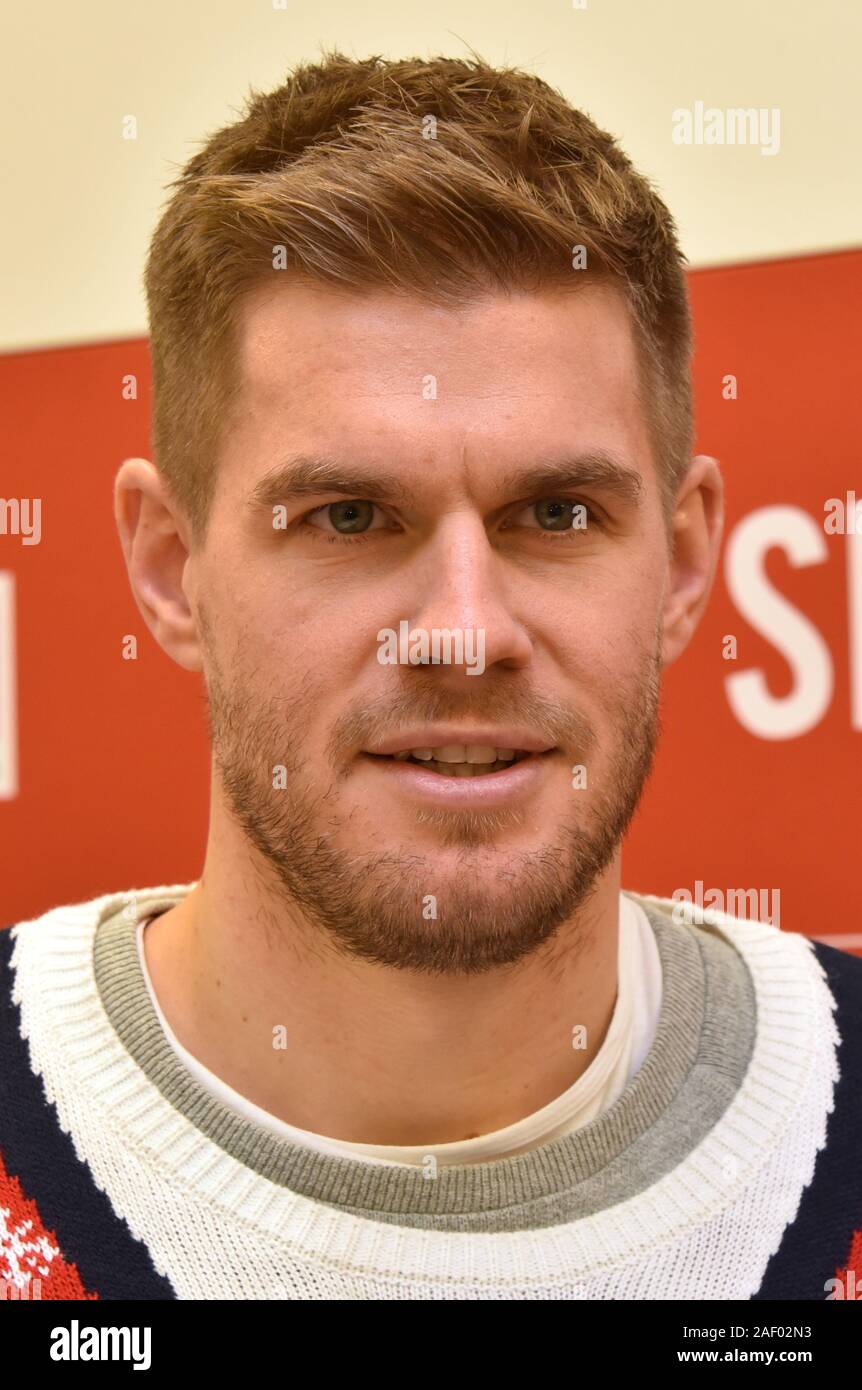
(442, 178)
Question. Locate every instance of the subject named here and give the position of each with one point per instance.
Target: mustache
(384, 716)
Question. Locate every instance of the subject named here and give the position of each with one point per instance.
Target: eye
(555, 514)
(345, 518)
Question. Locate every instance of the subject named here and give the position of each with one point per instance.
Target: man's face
(484, 471)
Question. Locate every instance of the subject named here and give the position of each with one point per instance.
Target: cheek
(602, 644)
(599, 608)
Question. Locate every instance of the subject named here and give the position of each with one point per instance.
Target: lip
(514, 783)
(439, 735)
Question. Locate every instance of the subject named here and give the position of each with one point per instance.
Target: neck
(366, 1053)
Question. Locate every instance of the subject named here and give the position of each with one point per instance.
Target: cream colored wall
(81, 201)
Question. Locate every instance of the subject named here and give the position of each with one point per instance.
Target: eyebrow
(598, 469)
(309, 475)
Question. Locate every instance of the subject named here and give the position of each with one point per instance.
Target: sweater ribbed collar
(703, 1044)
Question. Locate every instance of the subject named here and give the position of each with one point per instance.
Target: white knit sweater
(217, 1229)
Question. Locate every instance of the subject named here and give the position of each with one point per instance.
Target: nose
(462, 587)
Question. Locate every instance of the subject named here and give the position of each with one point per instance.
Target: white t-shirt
(626, 1044)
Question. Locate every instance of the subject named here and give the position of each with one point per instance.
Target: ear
(696, 531)
(155, 540)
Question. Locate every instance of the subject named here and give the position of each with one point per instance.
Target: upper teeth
(460, 753)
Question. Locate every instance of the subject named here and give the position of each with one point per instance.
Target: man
(423, 511)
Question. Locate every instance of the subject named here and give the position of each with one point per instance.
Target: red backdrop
(112, 761)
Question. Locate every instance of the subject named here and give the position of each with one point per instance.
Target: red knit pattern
(853, 1286)
(29, 1252)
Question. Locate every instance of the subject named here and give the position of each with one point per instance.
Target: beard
(494, 906)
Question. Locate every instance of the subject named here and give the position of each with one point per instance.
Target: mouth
(460, 760)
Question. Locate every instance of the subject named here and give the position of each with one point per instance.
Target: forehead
(329, 330)
(499, 376)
